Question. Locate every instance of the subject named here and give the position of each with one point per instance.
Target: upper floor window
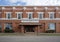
(40, 15)
(0, 15)
(51, 15)
(30, 15)
(8, 15)
(19, 15)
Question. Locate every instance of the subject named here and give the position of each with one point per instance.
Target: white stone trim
(24, 8)
(57, 8)
(35, 8)
(29, 19)
(46, 8)
(14, 7)
(3, 7)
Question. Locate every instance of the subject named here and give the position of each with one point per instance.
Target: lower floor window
(8, 25)
(52, 26)
(0, 26)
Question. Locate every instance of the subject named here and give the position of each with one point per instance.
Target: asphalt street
(29, 38)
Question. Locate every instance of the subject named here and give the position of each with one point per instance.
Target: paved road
(29, 38)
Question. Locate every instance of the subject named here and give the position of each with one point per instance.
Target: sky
(29, 2)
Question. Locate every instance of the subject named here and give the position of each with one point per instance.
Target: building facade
(30, 18)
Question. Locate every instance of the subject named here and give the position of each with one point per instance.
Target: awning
(29, 24)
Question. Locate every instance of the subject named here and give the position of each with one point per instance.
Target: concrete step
(30, 34)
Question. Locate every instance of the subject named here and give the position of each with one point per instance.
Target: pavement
(29, 38)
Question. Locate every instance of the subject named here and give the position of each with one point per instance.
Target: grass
(11, 34)
(21, 34)
(48, 34)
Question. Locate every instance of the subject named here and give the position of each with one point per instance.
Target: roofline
(27, 6)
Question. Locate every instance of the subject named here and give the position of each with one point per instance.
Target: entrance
(29, 28)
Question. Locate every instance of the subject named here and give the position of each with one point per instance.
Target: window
(0, 26)
(8, 25)
(30, 15)
(52, 26)
(0, 15)
(19, 15)
(51, 15)
(8, 15)
(40, 15)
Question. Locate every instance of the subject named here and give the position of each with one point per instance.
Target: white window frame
(20, 14)
(7, 15)
(50, 14)
(39, 15)
(31, 14)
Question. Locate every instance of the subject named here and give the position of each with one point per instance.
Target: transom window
(40, 15)
(8, 15)
(30, 15)
(19, 15)
(51, 15)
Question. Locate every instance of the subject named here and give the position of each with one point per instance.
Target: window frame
(51, 14)
(18, 15)
(40, 13)
(7, 15)
(31, 14)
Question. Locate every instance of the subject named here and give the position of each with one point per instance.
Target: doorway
(29, 28)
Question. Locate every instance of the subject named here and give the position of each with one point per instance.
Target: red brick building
(30, 18)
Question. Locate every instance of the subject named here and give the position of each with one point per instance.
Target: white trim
(46, 8)
(35, 8)
(14, 7)
(3, 7)
(24, 8)
(30, 19)
(57, 8)
(29, 12)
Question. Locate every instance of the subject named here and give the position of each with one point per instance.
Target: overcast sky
(30, 2)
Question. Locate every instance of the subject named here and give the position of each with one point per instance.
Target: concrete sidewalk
(29, 38)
